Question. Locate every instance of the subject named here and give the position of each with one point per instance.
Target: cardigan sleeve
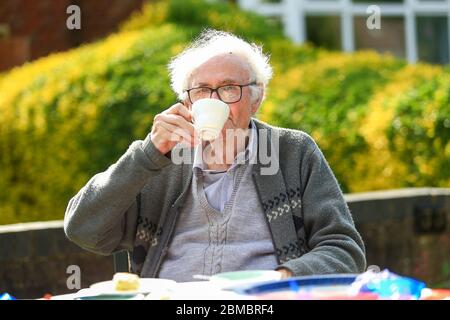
(334, 244)
(102, 216)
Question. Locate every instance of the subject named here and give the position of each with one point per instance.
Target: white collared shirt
(218, 185)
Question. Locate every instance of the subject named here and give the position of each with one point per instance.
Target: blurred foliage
(419, 132)
(328, 98)
(381, 123)
(68, 116)
(198, 14)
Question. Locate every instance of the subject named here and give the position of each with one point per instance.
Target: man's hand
(172, 126)
(285, 273)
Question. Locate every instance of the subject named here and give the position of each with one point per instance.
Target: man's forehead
(221, 70)
(219, 81)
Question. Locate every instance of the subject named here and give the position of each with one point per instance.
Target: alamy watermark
(223, 149)
(73, 21)
(374, 20)
(74, 279)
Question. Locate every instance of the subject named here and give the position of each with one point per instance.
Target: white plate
(202, 290)
(106, 288)
(229, 280)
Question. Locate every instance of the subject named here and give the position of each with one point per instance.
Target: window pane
(390, 38)
(432, 39)
(324, 31)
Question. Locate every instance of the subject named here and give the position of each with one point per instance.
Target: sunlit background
(377, 101)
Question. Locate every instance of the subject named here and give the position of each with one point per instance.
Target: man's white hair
(212, 43)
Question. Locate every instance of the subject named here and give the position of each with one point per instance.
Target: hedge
(367, 112)
(68, 116)
(63, 118)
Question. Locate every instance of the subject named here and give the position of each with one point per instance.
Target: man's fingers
(179, 132)
(181, 110)
(178, 121)
(175, 137)
(173, 125)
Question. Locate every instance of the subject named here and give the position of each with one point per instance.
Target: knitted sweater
(208, 242)
(135, 203)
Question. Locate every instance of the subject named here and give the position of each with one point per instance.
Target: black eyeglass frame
(216, 90)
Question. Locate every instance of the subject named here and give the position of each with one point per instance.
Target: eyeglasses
(229, 93)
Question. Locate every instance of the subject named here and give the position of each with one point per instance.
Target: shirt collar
(248, 154)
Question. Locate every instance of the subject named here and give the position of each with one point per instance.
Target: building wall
(31, 29)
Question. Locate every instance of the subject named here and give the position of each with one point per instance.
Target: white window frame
(293, 16)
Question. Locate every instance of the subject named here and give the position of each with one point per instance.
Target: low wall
(34, 258)
(404, 230)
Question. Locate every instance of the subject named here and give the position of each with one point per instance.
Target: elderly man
(210, 216)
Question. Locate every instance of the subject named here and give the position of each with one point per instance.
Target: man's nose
(215, 95)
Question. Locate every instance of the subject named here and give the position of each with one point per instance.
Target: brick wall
(37, 28)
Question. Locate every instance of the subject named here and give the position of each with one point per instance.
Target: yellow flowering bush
(68, 116)
(381, 124)
(419, 134)
(384, 134)
(328, 99)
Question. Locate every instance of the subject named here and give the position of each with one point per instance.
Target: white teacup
(209, 116)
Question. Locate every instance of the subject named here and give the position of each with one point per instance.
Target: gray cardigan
(134, 204)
